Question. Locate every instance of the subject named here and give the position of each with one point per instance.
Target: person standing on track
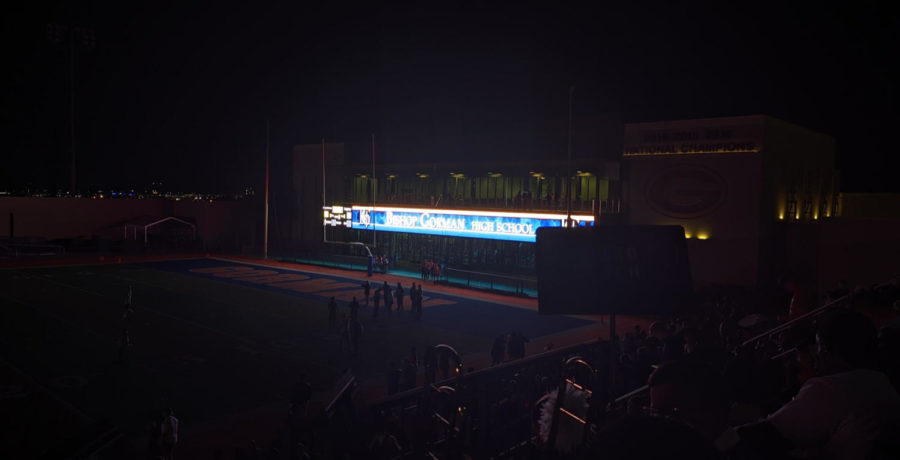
(388, 297)
(376, 297)
(354, 309)
(436, 273)
(399, 295)
(419, 300)
(366, 289)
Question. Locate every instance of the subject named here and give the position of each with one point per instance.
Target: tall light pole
(57, 33)
(324, 234)
(569, 165)
(266, 221)
(374, 241)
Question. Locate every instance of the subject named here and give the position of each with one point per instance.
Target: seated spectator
(689, 391)
(843, 413)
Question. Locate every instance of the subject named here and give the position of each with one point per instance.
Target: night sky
(180, 93)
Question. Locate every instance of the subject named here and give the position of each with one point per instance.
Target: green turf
(205, 347)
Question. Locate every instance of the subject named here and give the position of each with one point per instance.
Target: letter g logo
(686, 191)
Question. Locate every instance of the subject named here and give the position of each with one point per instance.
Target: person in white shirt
(844, 413)
(169, 433)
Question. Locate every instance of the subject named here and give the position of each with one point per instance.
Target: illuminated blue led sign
(509, 226)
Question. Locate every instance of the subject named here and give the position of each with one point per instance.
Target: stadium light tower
(71, 36)
(266, 206)
(569, 164)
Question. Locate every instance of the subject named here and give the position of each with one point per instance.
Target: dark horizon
(180, 94)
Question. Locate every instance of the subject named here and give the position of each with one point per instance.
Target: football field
(213, 337)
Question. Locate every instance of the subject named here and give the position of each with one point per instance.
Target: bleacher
(496, 412)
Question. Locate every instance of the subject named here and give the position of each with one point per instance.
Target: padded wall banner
(621, 269)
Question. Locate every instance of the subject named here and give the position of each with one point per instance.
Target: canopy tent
(144, 225)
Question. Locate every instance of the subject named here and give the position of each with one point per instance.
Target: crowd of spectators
(825, 386)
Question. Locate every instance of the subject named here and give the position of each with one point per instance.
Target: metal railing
(331, 260)
(473, 428)
(623, 400)
(809, 316)
(16, 250)
(492, 281)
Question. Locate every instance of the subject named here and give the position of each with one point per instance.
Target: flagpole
(569, 165)
(266, 222)
(372, 218)
(324, 236)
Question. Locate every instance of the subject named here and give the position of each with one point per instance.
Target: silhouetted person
(169, 434)
(689, 390)
(354, 308)
(377, 299)
(399, 294)
(366, 289)
(414, 301)
(436, 273)
(847, 411)
(419, 301)
(388, 297)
